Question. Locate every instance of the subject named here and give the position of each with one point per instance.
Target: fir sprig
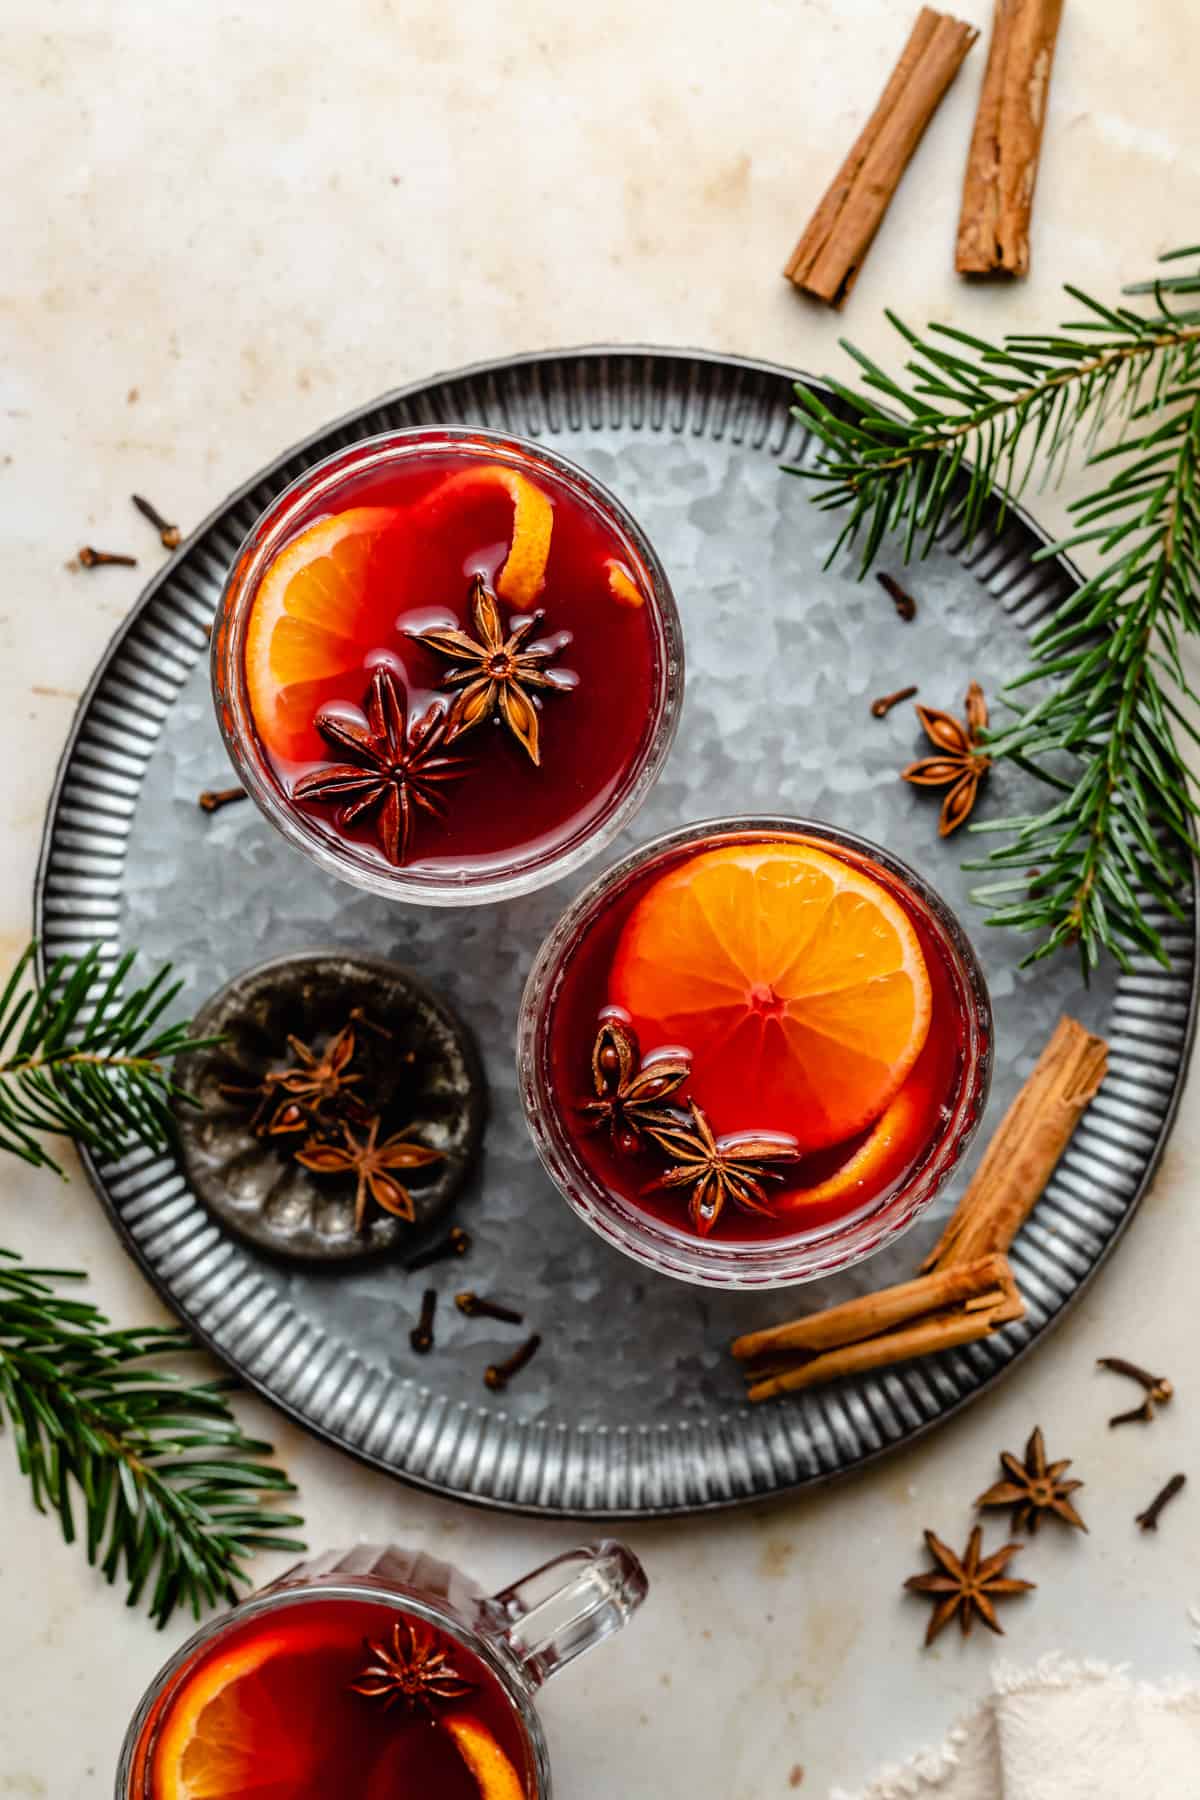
(172, 1495)
(171, 1489)
(82, 1058)
(948, 449)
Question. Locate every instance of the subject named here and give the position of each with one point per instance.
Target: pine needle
(168, 1491)
(950, 449)
(81, 1058)
(153, 1471)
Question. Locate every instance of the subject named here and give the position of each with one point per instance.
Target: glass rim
(231, 701)
(776, 1263)
(503, 1665)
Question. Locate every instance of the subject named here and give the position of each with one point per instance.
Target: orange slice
(489, 1764)
(308, 623)
(210, 1744)
(523, 576)
(445, 1758)
(796, 981)
(894, 1141)
(621, 584)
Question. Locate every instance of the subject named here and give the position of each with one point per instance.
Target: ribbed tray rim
(746, 1429)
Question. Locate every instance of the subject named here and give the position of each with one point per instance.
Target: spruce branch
(949, 449)
(172, 1494)
(172, 1491)
(80, 1057)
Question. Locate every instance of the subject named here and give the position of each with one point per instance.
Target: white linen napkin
(1060, 1731)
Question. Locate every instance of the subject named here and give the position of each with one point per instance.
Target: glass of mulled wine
(374, 1674)
(753, 1052)
(447, 665)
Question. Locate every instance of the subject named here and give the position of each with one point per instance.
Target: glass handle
(568, 1605)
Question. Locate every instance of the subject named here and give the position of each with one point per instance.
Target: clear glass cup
(317, 490)
(522, 1635)
(778, 1262)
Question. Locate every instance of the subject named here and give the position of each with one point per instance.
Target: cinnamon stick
(1002, 165)
(829, 255)
(1022, 1155)
(987, 1279)
(940, 1331)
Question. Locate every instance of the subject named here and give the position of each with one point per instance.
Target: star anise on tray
(309, 1086)
(372, 1163)
(412, 1669)
(1034, 1487)
(719, 1169)
(960, 765)
(494, 673)
(968, 1585)
(395, 765)
(630, 1092)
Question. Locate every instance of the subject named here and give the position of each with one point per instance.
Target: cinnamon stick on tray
(950, 1307)
(1028, 1142)
(997, 203)
(826, 261)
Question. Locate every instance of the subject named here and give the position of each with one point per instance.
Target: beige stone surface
(225, 224)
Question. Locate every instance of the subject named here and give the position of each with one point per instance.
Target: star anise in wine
(373, 1163)
(1034, 1487)
(960, 765)
(395, 765)
(719, 1169)
(412, 1669)
(629, 1092)
(493, 672)
(968, 1585)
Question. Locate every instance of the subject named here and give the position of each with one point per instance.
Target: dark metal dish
(417, 1061)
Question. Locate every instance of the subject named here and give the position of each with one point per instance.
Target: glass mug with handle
(375, 1674)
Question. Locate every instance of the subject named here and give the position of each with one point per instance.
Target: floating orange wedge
(523, 576)
(796, 981)
(621, 584)
(308, 622)
(489, 1764)
(452, 1757)
(210, 1743)
(893, 1143)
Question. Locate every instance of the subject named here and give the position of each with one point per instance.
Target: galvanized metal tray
(633, 1406)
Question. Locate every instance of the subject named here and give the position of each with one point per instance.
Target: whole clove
(361, 1017)
(455, 1243)
(1158, 1389)
(902, 600)
(89, 558)
(498, 1375)
(421, 1335)
(170, 535)
(882, 707)
(213, 799)
(476, 1306)
(1148, 1520)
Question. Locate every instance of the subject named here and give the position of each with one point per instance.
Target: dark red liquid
(302, 1733)
(504, 811)
(934, 1083)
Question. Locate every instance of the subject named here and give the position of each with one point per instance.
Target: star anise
(412, 1669)
(960, 764)
(494, 672)
(372, 1162)
(309, 1087)
(1034, 1487)
(967, 1586)
(719, 1169)
(395, 764)
(629, 1092)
